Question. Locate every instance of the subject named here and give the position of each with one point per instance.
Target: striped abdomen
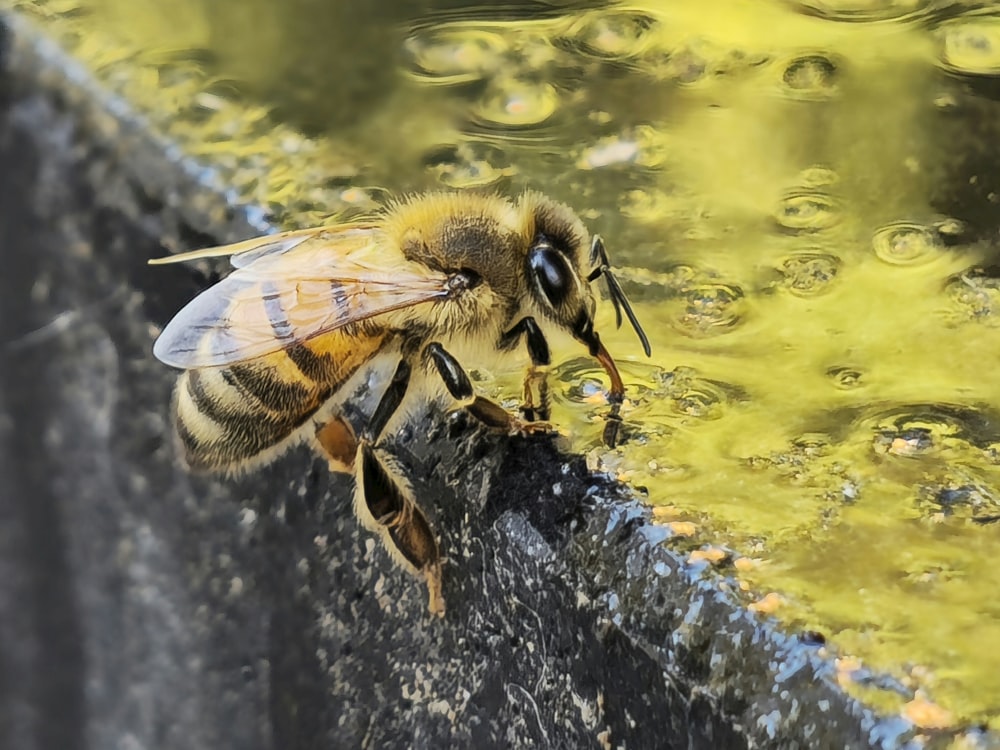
(228, 416)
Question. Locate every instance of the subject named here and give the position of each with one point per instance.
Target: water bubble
(960, 495)
(811, 76)
(516, 103)
(971, 47)
(694, 396)
(612, 35)
(904, 243)
(845, 377)
(708, 309)
(686, 65)
(450, 55)
(976, 292)
(809, 274)
(921, 430)
(469, 164)
(807, 211)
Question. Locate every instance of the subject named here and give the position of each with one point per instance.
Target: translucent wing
(242, 253)
(287, 289)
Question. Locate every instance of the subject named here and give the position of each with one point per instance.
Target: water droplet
(904, 243)
(809, 274)
(807, 211)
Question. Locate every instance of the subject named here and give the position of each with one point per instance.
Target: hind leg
(338, 444)
(383, 500)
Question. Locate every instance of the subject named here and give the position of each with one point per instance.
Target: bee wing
(288, 295)
(243, 253)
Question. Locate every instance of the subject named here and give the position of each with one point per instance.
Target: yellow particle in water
(712, 555)
(683, 528)
(743, 564)
(768, 605)
(664, 512)
(846, 667)
(927, 715)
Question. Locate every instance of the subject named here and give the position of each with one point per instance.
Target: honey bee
(270, 352)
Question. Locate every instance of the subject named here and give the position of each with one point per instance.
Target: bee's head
(561, 264)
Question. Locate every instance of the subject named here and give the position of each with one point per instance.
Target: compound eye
(551, 273)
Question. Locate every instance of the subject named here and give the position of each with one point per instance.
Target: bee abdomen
(229, 416)
(226, 417)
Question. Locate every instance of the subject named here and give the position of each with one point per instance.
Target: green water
(803, 200)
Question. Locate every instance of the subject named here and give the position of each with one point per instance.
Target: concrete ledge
(141, 607)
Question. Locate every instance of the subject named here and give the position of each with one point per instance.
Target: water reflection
(802, 195)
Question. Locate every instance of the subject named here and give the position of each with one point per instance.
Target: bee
(270, 352)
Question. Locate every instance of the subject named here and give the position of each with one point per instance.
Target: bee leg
(390, 401)
(535, 377)
(337, 442)
(383, 501)
(460, 387)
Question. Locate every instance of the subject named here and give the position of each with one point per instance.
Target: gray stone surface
(141, 607)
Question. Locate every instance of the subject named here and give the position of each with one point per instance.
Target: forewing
(245, 252)
(288, 296)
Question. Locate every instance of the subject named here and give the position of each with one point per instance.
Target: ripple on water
(975, 292)
(516, 103)
(448, 55)
(960, 494)
(861, 10)
(704, 310)
(469, 164)
(611, 34)
(922, 431)
(808, 274)
(809, 76)
(971, 46)
(906, 243)
(805, 210)
(846, 377)
(694, 396)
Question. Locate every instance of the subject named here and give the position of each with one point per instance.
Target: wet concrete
(143, 607)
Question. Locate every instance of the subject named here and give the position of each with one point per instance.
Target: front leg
(536, 376)
(488, 412)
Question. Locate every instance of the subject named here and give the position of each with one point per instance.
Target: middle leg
(488, 412)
